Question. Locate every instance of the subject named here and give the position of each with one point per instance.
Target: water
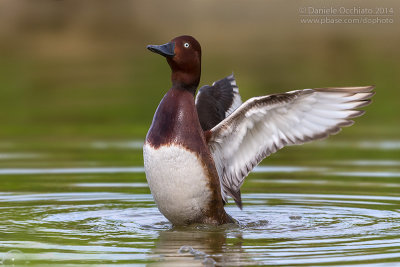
(87, 203)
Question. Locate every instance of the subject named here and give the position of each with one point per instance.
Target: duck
(200, 147)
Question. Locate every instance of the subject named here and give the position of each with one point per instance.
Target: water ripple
(277, 229)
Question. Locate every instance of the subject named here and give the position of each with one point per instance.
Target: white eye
(186, 45)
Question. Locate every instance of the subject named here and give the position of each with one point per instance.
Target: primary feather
(214, 103)
(263, 125)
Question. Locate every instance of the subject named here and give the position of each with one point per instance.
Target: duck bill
(166, 50)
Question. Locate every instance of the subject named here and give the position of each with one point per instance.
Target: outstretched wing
(263, 125)
(214, 103)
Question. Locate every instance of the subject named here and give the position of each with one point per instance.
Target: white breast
(178, 182)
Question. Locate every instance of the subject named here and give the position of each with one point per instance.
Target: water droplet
(209, 262)
(185, 249)
(14, 257)
(199, 254)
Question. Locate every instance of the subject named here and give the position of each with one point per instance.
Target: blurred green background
(78, 90)
(79, 70)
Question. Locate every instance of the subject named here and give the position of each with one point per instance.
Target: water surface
(87, 203)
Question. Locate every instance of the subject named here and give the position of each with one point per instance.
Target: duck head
(183, 55)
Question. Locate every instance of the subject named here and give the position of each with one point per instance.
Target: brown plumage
(228, 138)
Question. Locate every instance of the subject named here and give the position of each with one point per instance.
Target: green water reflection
(304, 206)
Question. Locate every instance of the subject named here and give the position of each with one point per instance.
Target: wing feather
(214, 103)
(263, 125)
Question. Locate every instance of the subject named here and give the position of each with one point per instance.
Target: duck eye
(186, 45)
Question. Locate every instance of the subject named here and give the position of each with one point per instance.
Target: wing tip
(363, 103)
(346, 123)
(356, 113)
(352, 89)
(239, 204)
(236, 195)
(232, 81)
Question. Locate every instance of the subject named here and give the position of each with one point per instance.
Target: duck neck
(185, 77)
(185, 81)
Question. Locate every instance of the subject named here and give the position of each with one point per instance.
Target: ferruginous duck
(199, 150)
